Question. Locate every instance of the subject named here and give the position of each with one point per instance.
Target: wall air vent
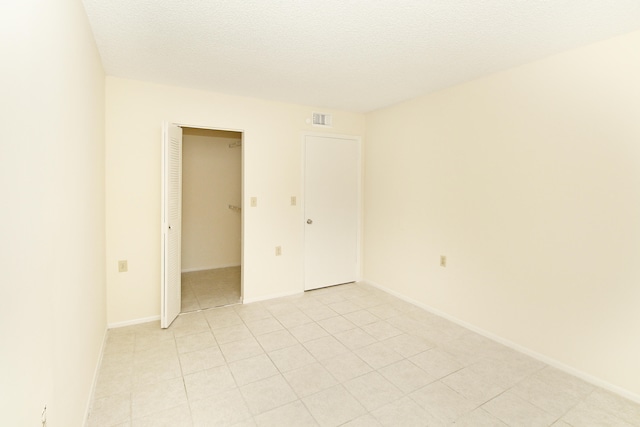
(321, 119)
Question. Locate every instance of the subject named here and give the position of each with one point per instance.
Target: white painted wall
(272, 163)
(529, 181)
(52, 291)
(211, 181)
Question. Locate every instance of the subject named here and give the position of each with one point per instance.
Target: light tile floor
(349, 355)
(210, 288)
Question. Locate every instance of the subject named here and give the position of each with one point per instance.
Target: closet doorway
(211, 242)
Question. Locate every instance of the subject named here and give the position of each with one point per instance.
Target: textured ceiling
(356, 55)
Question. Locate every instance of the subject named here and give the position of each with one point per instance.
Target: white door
(171, 293)
(331, 185)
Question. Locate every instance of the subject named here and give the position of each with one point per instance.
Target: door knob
(309, 221)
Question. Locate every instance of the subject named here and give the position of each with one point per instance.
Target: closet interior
(211, 218)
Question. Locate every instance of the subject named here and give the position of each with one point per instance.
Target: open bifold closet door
(170, 292)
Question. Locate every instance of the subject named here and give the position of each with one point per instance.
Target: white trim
(301, 199)
(163, 220)
(539, 356)
(271, 296)
(243, 212)
(96, 372)
(184, 125)
(191, 270)
(301, 211)
(133, 322)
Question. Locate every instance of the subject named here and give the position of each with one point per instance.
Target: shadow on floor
(210, 288)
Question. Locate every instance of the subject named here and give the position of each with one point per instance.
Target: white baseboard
(214, 267)
(270, 296)
(539, 356)
(132, 322)
(96, 372)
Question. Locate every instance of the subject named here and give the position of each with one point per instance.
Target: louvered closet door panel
(172, 224)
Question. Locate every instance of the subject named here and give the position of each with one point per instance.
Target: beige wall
(211, 181)
(272, 164)
(529, 181)
(52, 290)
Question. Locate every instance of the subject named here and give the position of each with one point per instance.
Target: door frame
(242, 192)
(360, 222)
